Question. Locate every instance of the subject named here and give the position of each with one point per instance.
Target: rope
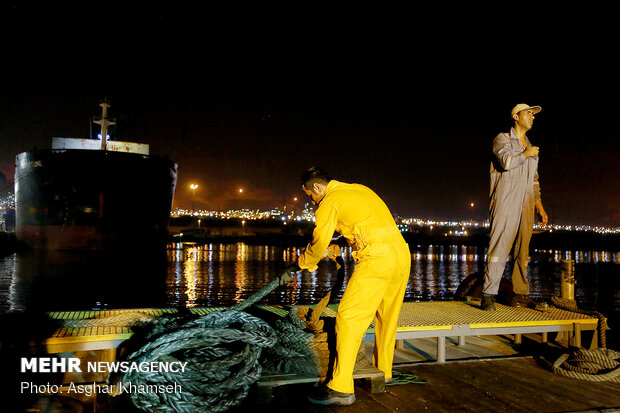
(592, 365)
(259, 295)
(399, 378)
(222, 350)
(226, 352)
(571, 305)
(294, 352)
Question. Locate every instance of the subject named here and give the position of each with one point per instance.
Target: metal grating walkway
(91, 330)
(461, 319)
(442, 314)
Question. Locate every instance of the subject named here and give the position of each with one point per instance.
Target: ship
(93, 194)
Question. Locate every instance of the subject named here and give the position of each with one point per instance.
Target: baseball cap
(522, 106)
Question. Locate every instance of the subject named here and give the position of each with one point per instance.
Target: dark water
(188, 275)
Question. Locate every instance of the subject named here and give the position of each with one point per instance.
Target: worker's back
(363, 217)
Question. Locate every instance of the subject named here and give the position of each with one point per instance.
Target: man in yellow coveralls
(377, 285)
(515, 194)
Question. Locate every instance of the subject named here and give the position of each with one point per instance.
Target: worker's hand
(288, 274)
(531, 151)
(332, 252)
(541, 211)
(543, 216)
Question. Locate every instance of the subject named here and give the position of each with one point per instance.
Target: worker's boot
(326, 396)
(522, 300)
(488, 302)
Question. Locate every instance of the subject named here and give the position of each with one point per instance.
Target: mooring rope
(224, 355)
(591, 365)
(597, 365)
(571, 305)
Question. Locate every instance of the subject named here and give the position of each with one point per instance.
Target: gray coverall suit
(514, 190)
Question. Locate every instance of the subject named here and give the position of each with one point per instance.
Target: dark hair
(315, 174)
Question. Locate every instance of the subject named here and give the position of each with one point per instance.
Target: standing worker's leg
(504, 228)
(520, 284)
(388, 313)
(358, 306)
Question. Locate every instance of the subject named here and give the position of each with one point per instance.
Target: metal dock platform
(461, 319)
(107, 329)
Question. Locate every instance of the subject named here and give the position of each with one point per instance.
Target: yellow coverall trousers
(376, 288)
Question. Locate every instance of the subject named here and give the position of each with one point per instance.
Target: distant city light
(454, 228)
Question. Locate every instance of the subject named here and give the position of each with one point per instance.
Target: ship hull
(76, 199)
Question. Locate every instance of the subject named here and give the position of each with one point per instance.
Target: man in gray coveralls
(515, 193)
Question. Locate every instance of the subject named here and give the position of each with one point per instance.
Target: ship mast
(104, 122)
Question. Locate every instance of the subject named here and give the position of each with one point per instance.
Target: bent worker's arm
(507, 157)
(326, 217)
(537, 193)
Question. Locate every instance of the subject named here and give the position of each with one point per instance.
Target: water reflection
(231, 273)
(436, 271)
(585, 257)
(221, 275)
(62, 280)
(224, 274)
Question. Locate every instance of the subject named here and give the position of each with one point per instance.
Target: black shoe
(325, 396)
(522, 300)
(488, 302)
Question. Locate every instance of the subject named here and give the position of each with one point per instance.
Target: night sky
(407, 104)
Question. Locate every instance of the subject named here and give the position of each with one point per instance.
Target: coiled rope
(223, 351)
(592, 365)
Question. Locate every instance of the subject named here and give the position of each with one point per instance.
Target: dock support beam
(577, 335)
(441, 349)
(518, 338)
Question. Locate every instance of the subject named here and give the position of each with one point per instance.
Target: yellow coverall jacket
(377, 285)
